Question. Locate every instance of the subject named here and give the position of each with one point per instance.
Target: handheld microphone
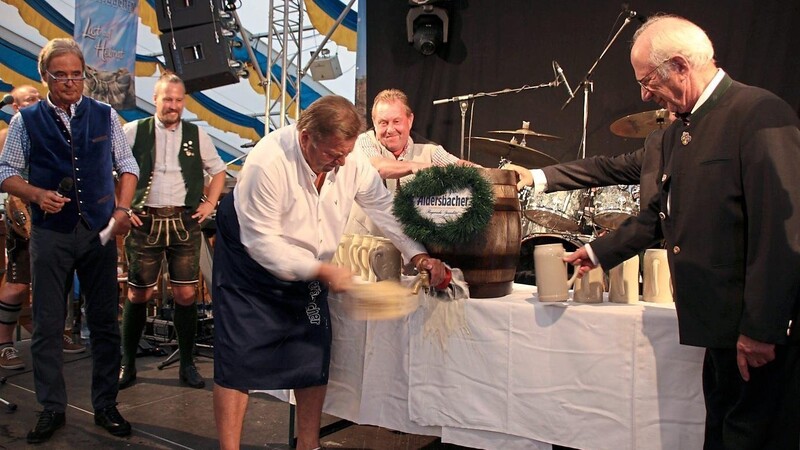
(64, 188)
(561, 76)
(7, 100)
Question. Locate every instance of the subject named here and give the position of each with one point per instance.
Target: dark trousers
(54, 258)
(763, 413)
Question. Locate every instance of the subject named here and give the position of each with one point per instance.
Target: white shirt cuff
(539, 180)
(591, 254)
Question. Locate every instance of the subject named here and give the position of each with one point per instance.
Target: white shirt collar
(709, 89)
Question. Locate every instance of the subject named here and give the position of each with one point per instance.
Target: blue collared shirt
(16, 152)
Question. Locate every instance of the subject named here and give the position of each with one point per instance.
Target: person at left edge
(168, 210)
(68, 135)
(276, 235)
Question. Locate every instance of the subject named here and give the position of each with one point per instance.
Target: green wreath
(437, 181)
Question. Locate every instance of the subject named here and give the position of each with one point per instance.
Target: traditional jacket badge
(188, 148)
(686, 138)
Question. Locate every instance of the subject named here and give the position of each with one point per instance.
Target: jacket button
(662, 216)
(676, 250)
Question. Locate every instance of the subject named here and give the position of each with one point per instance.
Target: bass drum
(560, 211)
(526, 272)
(615, 204)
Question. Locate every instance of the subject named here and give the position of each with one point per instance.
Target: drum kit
(488, 151)
(572, 218)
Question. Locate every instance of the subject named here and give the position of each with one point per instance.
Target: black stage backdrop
(499, 44)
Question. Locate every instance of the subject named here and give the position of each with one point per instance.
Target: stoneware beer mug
(657, 282)
(343, 251)
(355, 266)
(385, 261)
(590, 287)
(363, 256)
(552, 284)
(623, 281)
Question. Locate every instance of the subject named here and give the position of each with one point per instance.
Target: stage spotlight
(427, 28)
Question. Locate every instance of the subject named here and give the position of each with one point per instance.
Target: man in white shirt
(168, 208)
(276, 235)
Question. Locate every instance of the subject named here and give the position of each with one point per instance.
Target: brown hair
(331, 116)
(57, 47)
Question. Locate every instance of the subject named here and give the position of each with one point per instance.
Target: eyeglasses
(65, 80)
(645, 81)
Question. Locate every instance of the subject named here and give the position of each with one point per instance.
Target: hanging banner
(106, 32)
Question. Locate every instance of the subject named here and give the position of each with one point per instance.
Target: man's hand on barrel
(436, 268)
(581, 260)
(525, 175)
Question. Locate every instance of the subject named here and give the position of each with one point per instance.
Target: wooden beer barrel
(489, 260)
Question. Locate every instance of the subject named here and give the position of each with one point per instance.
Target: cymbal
(527, 132)
(641, 124)
(487, 152)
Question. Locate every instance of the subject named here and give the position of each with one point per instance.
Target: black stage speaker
(200, 58)
(185, 13)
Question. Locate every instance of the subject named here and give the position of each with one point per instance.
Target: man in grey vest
(393, 152)
(169, 207)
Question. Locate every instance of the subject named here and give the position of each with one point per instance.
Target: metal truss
(284, 49)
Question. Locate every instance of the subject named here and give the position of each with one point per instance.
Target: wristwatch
(127, 211)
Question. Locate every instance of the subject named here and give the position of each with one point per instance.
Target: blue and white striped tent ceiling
(232, 114)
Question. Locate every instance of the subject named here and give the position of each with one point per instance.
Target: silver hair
(676, 36)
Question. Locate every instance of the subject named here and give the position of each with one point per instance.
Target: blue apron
(268, 333)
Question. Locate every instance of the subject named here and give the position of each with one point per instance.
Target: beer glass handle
(656, 284)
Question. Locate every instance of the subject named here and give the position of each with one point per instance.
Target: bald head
(24, 95)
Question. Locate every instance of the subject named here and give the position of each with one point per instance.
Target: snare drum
(614, 204)
(560, 211)
(526, 272)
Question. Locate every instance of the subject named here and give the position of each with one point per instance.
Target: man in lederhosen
(173, 156)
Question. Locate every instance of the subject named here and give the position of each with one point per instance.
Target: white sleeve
(592, 256)
(212, 162)
(539, 180)
(130, 131)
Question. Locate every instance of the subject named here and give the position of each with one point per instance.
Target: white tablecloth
(601, 376)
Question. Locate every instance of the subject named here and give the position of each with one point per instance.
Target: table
(524, 375)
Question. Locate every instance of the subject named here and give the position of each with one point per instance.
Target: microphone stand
(588, 85)
(464, 105)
